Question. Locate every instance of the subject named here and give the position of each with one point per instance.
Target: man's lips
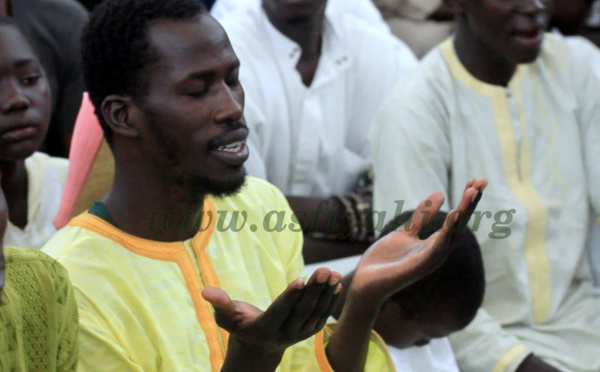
(230, 138)
(18, 132)
(529, 37)
(231, 148)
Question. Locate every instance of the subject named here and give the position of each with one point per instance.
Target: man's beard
(172, 156)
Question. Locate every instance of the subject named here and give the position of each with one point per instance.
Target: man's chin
(222, 188)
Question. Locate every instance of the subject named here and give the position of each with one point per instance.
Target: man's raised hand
(259, 338)
(401, 258)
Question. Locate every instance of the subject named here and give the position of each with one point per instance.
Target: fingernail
(322, 277)
(338, 289)
(333, 280)
(299, 283)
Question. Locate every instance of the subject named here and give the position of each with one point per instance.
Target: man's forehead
(197, 43)
(184, 36)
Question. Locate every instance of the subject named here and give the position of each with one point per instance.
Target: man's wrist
(244, 357)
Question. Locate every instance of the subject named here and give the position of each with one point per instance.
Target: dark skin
(492, 38)
(569, 15)
(194, 85)
(3, 222)
(192, 107)
(24, 117)
(66, 137)
(303, 22)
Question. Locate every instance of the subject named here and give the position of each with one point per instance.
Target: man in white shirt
(363, 9)
(505, 101)
(313, 81)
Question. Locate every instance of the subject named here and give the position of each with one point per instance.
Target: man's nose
(230, 105)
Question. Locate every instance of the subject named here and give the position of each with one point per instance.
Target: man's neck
(309, 36)
(149, 207)
(14, 185)
(482, 62)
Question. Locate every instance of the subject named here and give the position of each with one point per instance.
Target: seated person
(441, 303)
(32, 181)
(506, 100)
(314, 80)
(362, 9)
(38, 313)
(155, 262)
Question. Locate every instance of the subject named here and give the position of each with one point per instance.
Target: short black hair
(458, 286)
(115, 48)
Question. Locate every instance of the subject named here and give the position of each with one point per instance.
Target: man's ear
(119, 112)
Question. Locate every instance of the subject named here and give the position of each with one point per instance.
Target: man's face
(24, 97)
(513, 28)
(192, 110)
(293, 11)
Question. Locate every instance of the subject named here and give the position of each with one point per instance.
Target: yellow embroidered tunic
(38, 314)
(140, 301)
(537, 141)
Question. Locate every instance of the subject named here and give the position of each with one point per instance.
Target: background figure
(38, 313)
(32, 181)
(314, 79)
(422, 24)
(53, 28)
(362, 9)
(505, 99)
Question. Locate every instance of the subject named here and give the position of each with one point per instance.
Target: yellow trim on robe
(509, 357)
(540, 286)
(140, 301)
(216, 337)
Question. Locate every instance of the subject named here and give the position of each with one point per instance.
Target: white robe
(313, 141)
(538, 144)
(46, 178)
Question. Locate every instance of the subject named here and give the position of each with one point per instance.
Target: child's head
(439, 304)
(24, 95)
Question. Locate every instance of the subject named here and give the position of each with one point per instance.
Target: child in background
(440, 304)
(32, 181)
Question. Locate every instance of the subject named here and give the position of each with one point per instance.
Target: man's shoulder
(75, 245)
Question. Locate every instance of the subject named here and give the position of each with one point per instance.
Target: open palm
(401, 258)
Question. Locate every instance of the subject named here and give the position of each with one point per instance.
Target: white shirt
(312, 141)
(46, 177)
(362, 9)
(436, 356)
(538, 144)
